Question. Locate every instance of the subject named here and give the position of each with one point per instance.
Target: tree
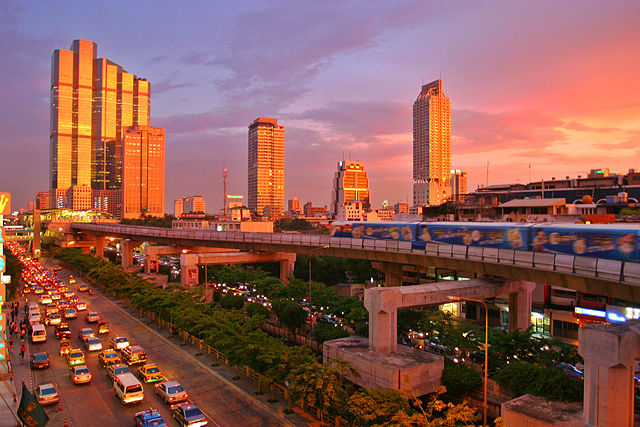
(235, 302)
(369, 407)
(291, 224)
(321, 386)
(324, 332)
(289, 313)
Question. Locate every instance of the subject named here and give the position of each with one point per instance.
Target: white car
(119, 343)
(93, 344)
(45, 299)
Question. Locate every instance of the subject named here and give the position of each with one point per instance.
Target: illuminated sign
(1, 234)
(230, 196)
(5, 203)
(615, 317)
(3, 263)
(590, 312)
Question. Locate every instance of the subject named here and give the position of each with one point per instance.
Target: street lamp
(486, 348)
(311, 256)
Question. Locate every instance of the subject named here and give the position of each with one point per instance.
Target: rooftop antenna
(225, 175)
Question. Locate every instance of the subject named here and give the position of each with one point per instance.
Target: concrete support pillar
(126, 250)
(609, 354)
(393, 272)
(383, 319)
(189, 269)
(151, 260)
(37, 227)
(100, 243)
(286, 266)
(520, 306)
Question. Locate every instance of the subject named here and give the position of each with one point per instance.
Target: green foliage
(551, 383)
(289, 313)
(369, 407)
(257, 309)
(150, 221)
(324, 332)
(332, 270)
(321, 385)
(232, 302)
(291, 224)
(459, 379)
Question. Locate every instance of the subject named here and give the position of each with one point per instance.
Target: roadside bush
(324, 332)
(232, 302)
(459, 379)
(255, 308)
(551, 383)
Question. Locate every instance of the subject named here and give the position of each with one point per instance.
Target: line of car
(117, 359)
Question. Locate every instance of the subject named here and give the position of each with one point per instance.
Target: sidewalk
(13, 371)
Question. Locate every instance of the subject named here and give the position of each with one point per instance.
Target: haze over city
(553, 86)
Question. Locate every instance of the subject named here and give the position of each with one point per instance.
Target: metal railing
(610, 270)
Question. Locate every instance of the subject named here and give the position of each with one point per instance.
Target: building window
(565, 329)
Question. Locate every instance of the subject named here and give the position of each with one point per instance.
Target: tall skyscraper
(350, 182)
(266, 167)
(431, 145)
(143, 171)
(93, 102)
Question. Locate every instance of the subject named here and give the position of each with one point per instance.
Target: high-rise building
(143, 171)
(431, 145)
(93, 102)
(178, 208)
(458, 184)
(294, 205)
(266, 167)
(194, 204)
(350, 182)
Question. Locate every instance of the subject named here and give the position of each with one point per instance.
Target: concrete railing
(610, 270)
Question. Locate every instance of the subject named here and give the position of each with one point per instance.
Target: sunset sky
(554, 85)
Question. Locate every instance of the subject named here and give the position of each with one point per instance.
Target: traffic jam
(54, 308)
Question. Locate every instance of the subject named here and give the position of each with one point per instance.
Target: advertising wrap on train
(621, 245)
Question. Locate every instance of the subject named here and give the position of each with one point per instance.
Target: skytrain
(619, 242)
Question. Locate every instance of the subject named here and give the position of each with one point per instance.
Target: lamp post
(486, 350)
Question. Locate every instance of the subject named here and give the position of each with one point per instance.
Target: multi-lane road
(96, 404)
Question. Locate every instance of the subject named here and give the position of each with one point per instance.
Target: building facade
(93, 102)
(143, 171)
(431, 146)
(42, 200)
(178, 208)
(266, 167)
(458, 184)
(194, 204)
(294, 206)
(350, 182)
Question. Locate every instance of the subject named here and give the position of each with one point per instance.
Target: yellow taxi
(75, 357)
(150, 373)
(109, 357)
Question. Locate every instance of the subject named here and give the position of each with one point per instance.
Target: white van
(34, 319)
(128, 388)
(38, 333)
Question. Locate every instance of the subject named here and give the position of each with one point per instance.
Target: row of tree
(310, 382)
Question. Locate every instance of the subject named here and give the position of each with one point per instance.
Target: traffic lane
(87, 404)
(217, 400)
(83, 404)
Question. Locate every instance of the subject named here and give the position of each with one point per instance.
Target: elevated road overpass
(597, 276)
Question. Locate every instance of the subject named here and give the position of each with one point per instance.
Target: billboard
(5, 203)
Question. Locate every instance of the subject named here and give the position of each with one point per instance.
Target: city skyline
(522, 94)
